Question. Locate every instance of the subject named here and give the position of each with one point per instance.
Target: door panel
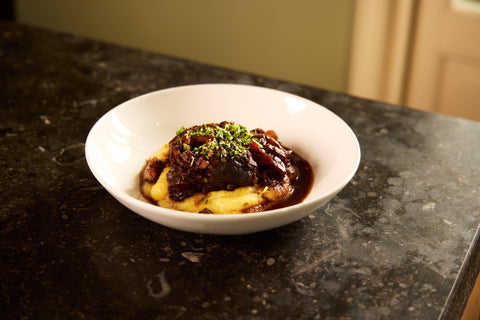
(459, 91)
(445, 62)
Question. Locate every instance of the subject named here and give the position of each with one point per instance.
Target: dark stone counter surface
(399, 242)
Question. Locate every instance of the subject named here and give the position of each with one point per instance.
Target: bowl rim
(129, 200)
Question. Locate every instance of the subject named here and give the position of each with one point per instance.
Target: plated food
(225, 168)
(123, 139)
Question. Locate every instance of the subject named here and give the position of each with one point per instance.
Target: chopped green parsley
(180, 131)
(230, 141)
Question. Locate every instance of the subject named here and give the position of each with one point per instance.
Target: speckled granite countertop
(399, 242)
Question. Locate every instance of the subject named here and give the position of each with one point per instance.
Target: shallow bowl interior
(124, 138)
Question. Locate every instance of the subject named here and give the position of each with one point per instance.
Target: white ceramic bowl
(124, 138)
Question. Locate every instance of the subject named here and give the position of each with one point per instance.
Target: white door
(421, 53)
(444, 72)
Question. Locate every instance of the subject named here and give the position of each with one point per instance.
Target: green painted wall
(305, 41)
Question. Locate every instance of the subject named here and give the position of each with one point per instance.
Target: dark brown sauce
(302, 185)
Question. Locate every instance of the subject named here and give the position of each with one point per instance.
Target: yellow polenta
(235, 201)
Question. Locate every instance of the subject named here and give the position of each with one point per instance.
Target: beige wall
(305, 41)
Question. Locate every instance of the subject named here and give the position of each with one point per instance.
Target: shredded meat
(266, 162)
(153, 170)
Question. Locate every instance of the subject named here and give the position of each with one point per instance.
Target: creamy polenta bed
(225, 168)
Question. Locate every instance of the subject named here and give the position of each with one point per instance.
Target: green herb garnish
(228, 141)
(180, 131)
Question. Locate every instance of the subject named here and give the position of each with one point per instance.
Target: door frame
(382, 38)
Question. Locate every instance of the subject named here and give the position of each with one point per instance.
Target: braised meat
(226, 156)
(222, 156)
